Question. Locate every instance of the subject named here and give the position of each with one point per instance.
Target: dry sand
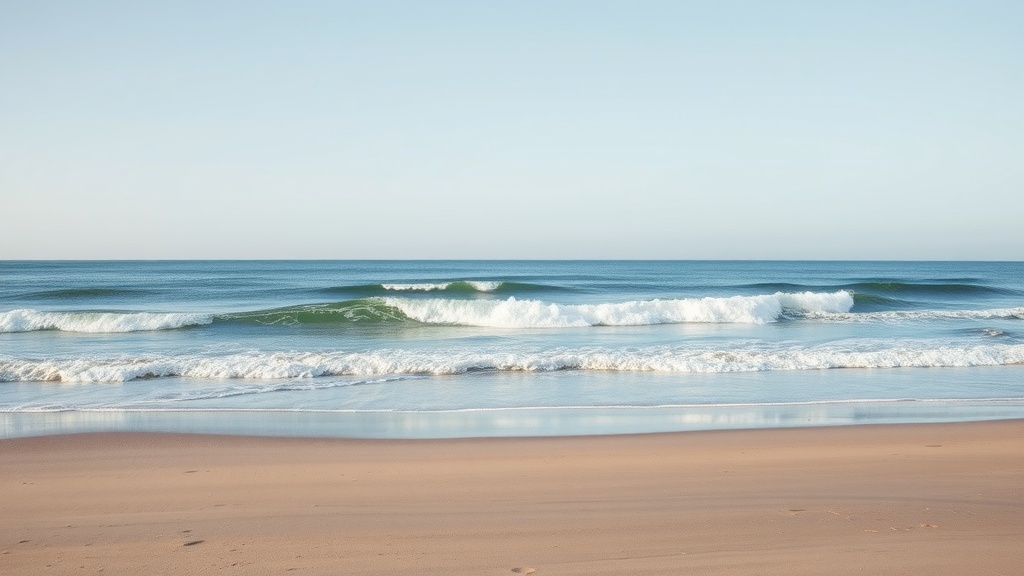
(909, 499)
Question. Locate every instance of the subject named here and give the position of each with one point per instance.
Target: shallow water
(457, 348)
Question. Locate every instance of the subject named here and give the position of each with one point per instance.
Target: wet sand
(901, 499)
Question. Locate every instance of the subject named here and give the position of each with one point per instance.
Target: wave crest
(509, 313)
(455, 286)
(447, 287)
(25, 320)
(513, 313)
(288, 365)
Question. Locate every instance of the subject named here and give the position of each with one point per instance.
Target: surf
(446, 287)
(507, 313)
(282, 365)
(514, 313)
(26, 320)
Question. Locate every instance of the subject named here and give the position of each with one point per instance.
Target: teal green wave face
(924, 288)
(362, 311)
(870, 302)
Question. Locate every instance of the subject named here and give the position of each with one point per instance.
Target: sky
(512, 129)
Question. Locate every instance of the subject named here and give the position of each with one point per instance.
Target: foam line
(394, 362)
(96, 322)
(513, 313)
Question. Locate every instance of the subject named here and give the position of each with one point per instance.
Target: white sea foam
(261, 387)
(478, 285)
(417, 287)
(31, 320)
(895, 316)
(513, 313)
(395, 362)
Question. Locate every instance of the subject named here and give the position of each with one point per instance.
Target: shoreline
(508, 421)
(897, 499)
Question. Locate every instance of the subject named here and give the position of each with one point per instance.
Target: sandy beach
(903, 499)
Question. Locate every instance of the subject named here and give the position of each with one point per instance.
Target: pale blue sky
(512, 129)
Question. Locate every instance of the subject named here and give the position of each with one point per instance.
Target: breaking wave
(510, 313)
(453, 287)
(397, 362)
(463, 285)
(97, 322)
(513, 313)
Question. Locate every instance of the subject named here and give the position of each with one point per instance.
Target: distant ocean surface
(411, 349)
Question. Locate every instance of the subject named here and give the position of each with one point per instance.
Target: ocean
(432, 349)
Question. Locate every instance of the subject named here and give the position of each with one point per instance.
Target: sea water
(485, 348)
